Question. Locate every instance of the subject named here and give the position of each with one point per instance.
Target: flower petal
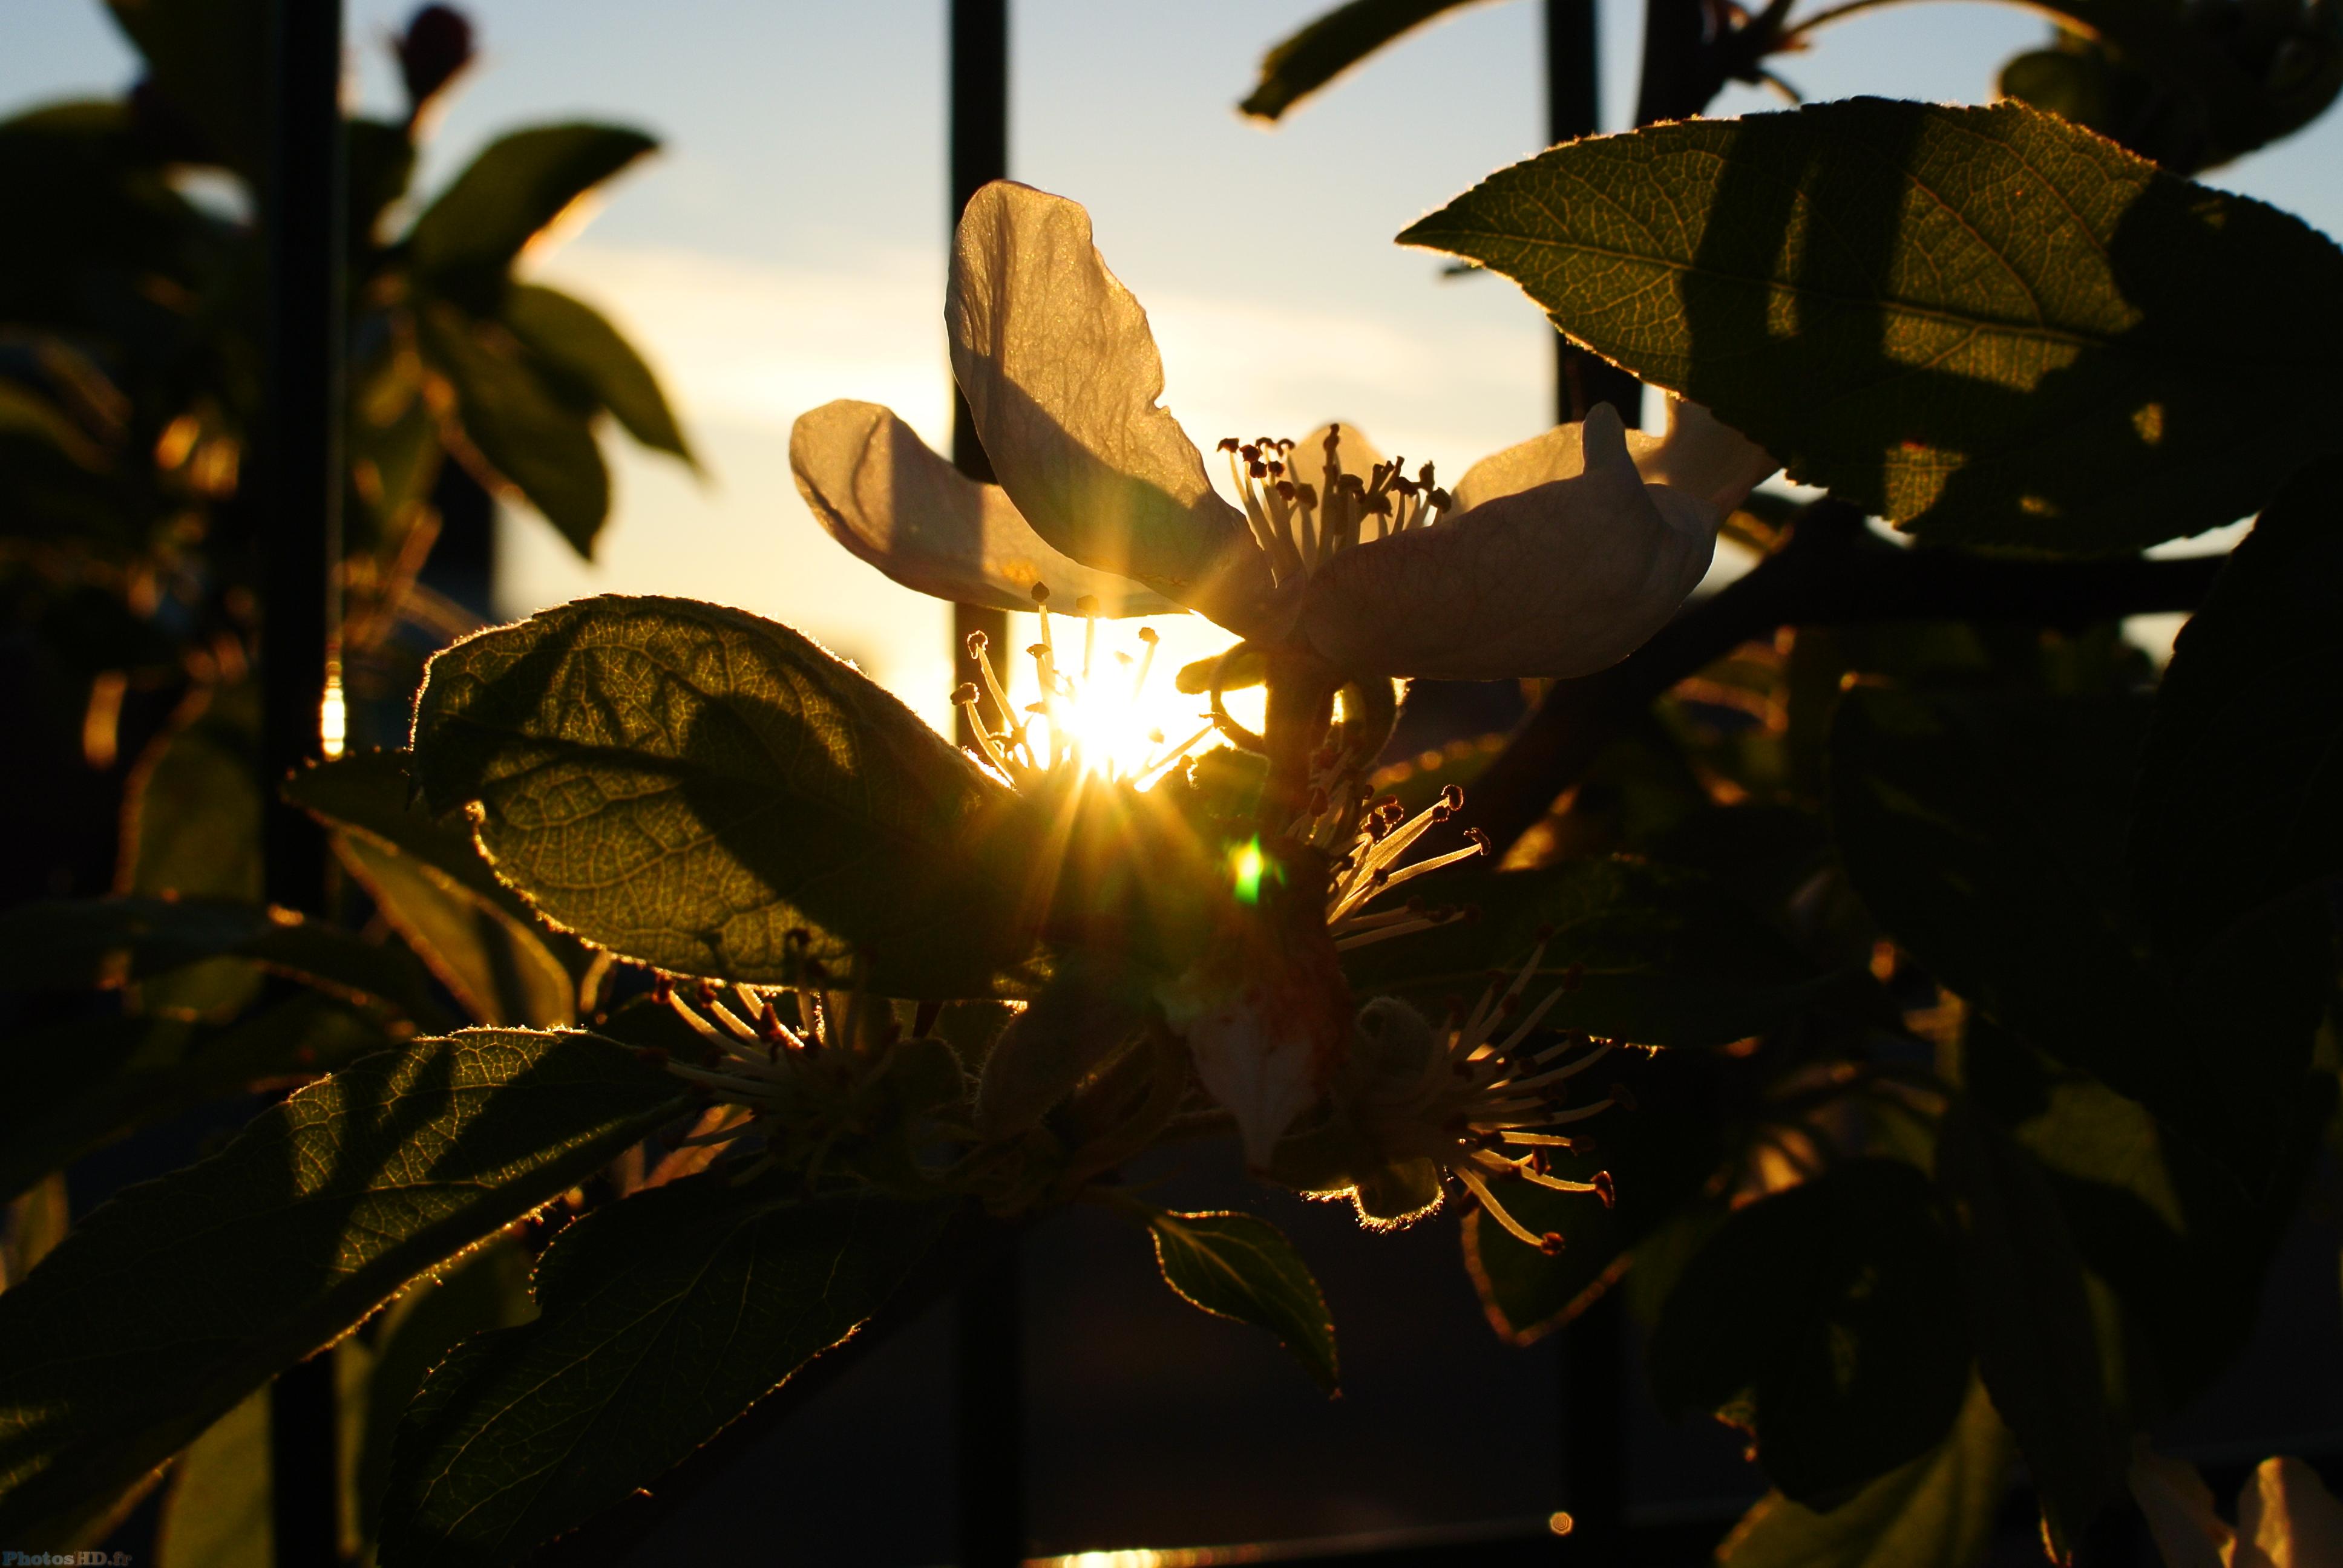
(2289, 1517)
(882, 493)
(1695, 455)
(1558, 579)
(1704, 457)
(1062, 375)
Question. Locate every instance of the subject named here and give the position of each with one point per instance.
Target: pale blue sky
(789, 245)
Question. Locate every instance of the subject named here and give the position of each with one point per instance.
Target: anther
(1550, 1243)
(1453, 796)
(1041, 593)
(1621, 1098)
(1228, 444)
(964, 694)
(1606, 1190)
(977, 643)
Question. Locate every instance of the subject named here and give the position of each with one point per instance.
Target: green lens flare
(1247, 865)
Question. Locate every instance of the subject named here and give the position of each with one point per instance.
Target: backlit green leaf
(662, 1318)
(689, 786)
(467, 239)
(1833, 1307)
(315, 1215)
(1985, 323)
(1241, 1266)
(1937, 1512)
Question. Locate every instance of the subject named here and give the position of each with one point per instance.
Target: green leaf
(466, 239)
(431, 884)
(2030, 1311)
(183, 1295)
(571, 337)
(487, 1290)
(1241, 1266)
(77, 943)
(72, 1088)
(1660, 1157)
(519, 423)
(663, 1318)
(2240, 797)
(1833, 1307)
(1985, 323)
(689, 786)
(1298, 66)
(1937, 1512)
(191, 807)
(1652, 955)
(1981, 832)
(210, 60)
(217, 1513)
(2181, 1245)
(381, 162)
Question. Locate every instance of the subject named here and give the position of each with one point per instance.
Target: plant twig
(1831, 573)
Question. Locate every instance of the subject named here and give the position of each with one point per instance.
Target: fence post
(299, 477)
(989, 1425)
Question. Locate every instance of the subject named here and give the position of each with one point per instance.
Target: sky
(788, 245)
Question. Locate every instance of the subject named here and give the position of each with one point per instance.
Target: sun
(1117, 712)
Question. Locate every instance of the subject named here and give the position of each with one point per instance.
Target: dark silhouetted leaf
(687, 785)
(2242, 792)
(1981, 833)
(2030, 1311)
(74, 943)
(540, 442)
(1982, 322)
(1834, 1309)
(571, 337)
(1299, 66)
(1241, 1266)
(662, 1318)
(467, 239)
(1937, 1512)
(209, 58)
(1653, 955)
(315, 1215)
(69, 1088)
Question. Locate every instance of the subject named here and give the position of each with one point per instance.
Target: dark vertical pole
(1594, 1428)
(990, 1415)
(1574, 74)
(298, 478)
(980, 154)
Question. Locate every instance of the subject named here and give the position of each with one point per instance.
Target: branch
(1832, 572)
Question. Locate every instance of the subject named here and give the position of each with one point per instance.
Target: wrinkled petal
(1062, 378)
(1559, 580)
(1697, 455)
(1704, 457)
(882, 493)
(2287, 1519)
(1266, 1023)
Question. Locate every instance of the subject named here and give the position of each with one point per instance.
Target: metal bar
(980, 155)
(989, 1425)
(298, 478)
(1592, 1410)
